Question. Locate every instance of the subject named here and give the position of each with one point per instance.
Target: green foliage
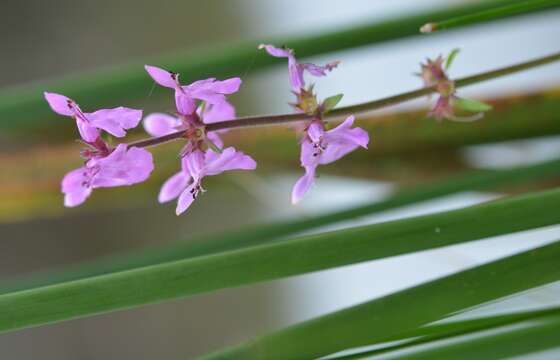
(166, 280)
(508, 9)
(471, 105)
(383, 318)
(451, 57)
(331, 102)
(23, 107)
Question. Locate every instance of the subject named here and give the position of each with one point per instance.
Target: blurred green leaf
(331, 102)
(264, 234)
(382, 318)
(502, 343)
(452, 55)
(171, 279)
(507, 10)
(448, 330)
(23, 107)
(471, 105)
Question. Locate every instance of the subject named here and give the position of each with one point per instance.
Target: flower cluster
(103, 166)
(198, 104)
(319, 146)
(433, 74)
(203, 103)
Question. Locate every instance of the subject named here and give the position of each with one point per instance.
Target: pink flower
(114, 121)
(187, 184)
(211, 91)
(123, 166)
(296, 69)
(320, 147)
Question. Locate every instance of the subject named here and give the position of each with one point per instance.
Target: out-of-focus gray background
(41, 39)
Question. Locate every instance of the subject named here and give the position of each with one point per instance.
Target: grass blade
(526, 337)
(382, 318)
(205, 273)
(23, 107)
(432, 333)
(259, 235)
(513, 9)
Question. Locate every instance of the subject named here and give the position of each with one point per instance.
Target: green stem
(506, 11)
(364, 107)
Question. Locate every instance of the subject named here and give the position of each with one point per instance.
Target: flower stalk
(253, 121)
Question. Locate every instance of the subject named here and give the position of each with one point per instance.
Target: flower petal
(344, 133)
(218, 112)
(317, 70)
(229, 159)
(193, 164)
(59, 103)
(163, 77)
(207, 95)
(276, 52)
(308, 155)
(87, 132)
(115, 121)
(184, 102)
(228, 86)
(303, 184)
(215, 139)
(158, 124)
(75, 187)
(296, 75)
(173, 187)
(185, 200)
(122, 167)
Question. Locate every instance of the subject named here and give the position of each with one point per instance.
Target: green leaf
(507, 10)
(23, 107)
(172, 279)
(383, 318)
(502, 343)
(259, 235)
(471, 105)
(447, 330)
(331, 102)
(452, 55)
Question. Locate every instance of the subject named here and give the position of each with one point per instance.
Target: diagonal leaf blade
(150, 284)
(382, 318)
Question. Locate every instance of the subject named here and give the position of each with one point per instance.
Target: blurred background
(43, 40)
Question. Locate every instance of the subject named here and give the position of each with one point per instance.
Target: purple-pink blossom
(114, 121)
(210, 90)
(104, 166)
(187, 184)
(123, 166)
(320, 147)
(296, 69)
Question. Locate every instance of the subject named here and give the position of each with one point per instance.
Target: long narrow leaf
(205, 273)
(382, 318)
(432, 333)
(512, 9)
(24, 107)
(259, 235)
(527, 337)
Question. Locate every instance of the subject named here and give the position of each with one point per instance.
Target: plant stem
(491, 14)
(359, 108)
